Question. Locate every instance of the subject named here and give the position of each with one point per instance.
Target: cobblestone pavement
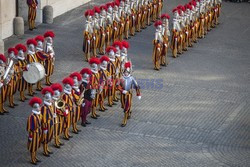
(195, 112)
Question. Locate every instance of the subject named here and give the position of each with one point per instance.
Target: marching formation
(81, 93)
(115, 21)
(190, 22)
(25, 67)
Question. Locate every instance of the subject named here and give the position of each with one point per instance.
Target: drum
(35, 73)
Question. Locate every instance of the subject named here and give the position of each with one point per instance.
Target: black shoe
(78, 130)
(46, 155)
(70, 136)
(30, 29)
(15, 104)
(65, 138)
(75, 132)
(37, 160)
(83, 124)
(35, 28)
(56, 146)
(61, 144)
(33, 163)
(123, 125)
(11, 106)
(93, 117)
(102, 110)
(114, 104)
(116, 100)
(87, 122)
(110, 105)
(31, 94)
(6, 112)
(97, 115)
(50, 152)
(1, 113)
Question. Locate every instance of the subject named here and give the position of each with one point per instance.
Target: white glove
(45, 131)
(30, 139)
(124, 92)
(83, 104)
(1, 84)
(139, 97)
(67, 111)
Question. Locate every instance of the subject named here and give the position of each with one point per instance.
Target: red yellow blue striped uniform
(104, 75)
(68, 99)
(47, 124)
(12, 87)
(32, 12)
(35, 132)
(22, 84)
(77, 110)
(111, 89)
(94, 80)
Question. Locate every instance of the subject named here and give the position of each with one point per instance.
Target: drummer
(32, 58)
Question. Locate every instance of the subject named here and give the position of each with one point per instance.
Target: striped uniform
(112, 70)
(94, 80)
(12, 87)
(47, 122)
(35, 131)
(32, 12)
(3, 94)
(76, 95)
(104, 74)
(21, 84)
(68, 99)
(57, 125)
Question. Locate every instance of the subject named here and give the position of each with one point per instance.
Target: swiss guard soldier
(127, 13)
(124, 53)
(166, 34)
(32, 13)
(175, 33)
(59, 113)
(77, 96)
(96, 31)
(116, 21)
(102, 46)
(88, 95)
(12, 86)
(104, 81)
(42, 56)
(34, 128)
(69, 105)
(3, 86)
(50, 62)
(126, 84)
(109, 23)
(87, 34)
(112, 71)
(47, 111)
(158, 45)
(31, 58)
(94, 82)
(21, 66)
(118, 46)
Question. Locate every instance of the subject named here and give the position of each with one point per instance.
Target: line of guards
(115, 21)
(190, 22)
(82, 92)
(12, 68)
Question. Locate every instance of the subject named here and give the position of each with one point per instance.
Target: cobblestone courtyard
(194, 112)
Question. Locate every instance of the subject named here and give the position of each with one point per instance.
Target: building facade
(9, 9)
